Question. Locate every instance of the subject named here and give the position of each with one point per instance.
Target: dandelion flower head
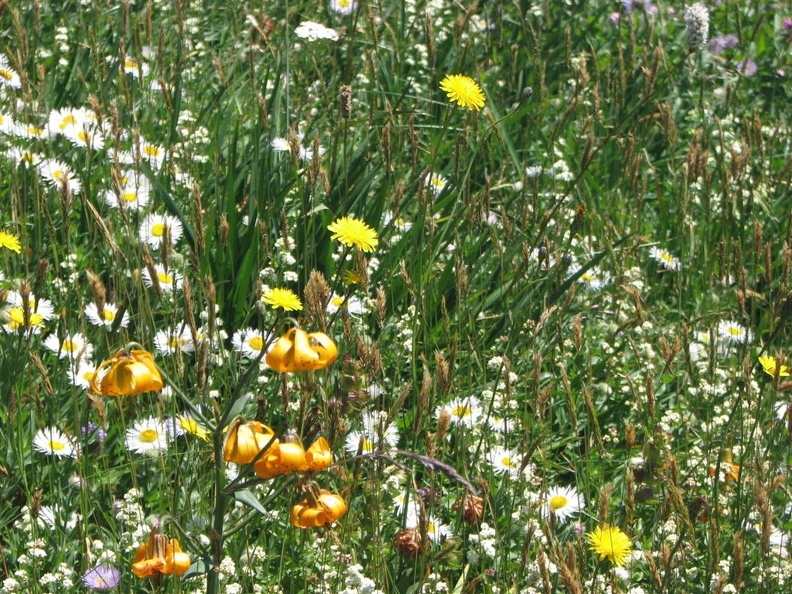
(354, 232)
(770, 366)
(464, 91)
(286, 299)
(609, 542)
(10, 242)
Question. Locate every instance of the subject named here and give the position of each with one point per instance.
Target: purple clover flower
(101, 577)
(718, 45)
(747, 67)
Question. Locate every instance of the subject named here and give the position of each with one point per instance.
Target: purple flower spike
(102, 577)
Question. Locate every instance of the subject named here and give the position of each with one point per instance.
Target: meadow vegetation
(373, 296)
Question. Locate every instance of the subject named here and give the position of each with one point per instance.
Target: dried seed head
(408, 542)
(345, 101)
(472, 508)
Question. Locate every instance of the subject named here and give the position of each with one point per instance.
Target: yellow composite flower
(464, 91)
(770, 366)
(609, 542)
(286, 299)
(10, 242)
(354, 232)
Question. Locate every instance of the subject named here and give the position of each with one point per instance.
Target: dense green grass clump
(537, 255)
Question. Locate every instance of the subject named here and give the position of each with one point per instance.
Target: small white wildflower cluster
(482, 544)
(434, 584)
(357, 583)
(130, 513)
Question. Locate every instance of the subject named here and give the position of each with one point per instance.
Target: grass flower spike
(609, 542)
(354, 232)
(464, 91)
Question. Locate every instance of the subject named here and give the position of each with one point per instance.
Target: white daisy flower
(280, 145)
(146, 436)
(463, 411)
(66, 120)
(74, 347)
(133, 195)
(82, 375)
(360, 441)
(436, 183)
(504, 461)
(561, 503)
(343, 6)
(593, 279)
(57, 174)
(86, 138)
(154, 228)
(665, 259)
(249, 342)
(107, 317)
(53, 442)
(353, 305)
(734, 332)
(8, 76)
(172, 341)
(169, 280)
(30, 313)
(134, 67)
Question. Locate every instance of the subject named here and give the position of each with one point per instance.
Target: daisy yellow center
(461, 411)
(151, 151)
(367, 446)
(734, 331)
(176, 342)
(56, 445)
(70, 346)
(130, 63)
(587, 277)
(58, 175)
(17, 317)
(431, 528)
(437, 182)
(667, 257)
(35, 131)
(109, 315)
(67, 121)
(148, 435)
(6, 74)
(164, 278)
(256, 343)
(507, 461)
(158, 229)
(558, 502)
(129, 196)
(2, 119)
(83, 135)
(343, 3)
(88, 375)
(337, 301)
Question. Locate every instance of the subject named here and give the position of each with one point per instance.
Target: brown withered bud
(345, 101)
(629, 435)
(408, 542)
(472, 508)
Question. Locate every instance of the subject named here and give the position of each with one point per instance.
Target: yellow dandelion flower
(286, 299)
(464, 91)
(10, 242)
(611, 543)
(354, 232)
(770, 366)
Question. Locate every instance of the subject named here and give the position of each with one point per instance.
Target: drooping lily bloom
(287, 455)
(127, 374)
(299, 351)
(160, 555)
(245, 440)
(317, 511)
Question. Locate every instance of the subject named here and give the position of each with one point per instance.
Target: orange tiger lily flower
(160, 555)
(299, 351)
(245, 440)
(317, 511)
(127, 374)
